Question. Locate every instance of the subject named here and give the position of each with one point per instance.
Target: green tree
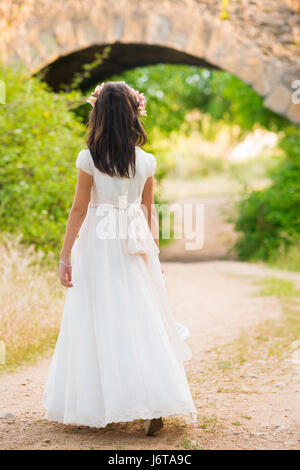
(269, 220)
(39, 142)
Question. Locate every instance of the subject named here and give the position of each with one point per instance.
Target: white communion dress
(119, 355)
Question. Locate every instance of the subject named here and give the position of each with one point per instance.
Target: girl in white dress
(119, 355)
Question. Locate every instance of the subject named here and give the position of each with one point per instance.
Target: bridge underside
(121, 57)
(259, 46)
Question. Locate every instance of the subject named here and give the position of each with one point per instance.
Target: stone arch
(122, 56)
(182, 31)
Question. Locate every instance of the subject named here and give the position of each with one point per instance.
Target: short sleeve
(152, 165)
(83, 162)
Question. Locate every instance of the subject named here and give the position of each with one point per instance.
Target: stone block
(267, 79)
(160, 28)
(136, 26)
(294, 113)
(252, 68)
(85, 34)
(64, 33)
(279, 100)
(118, 27)
(200, 38)
(180, 39)
(294, 5)
(222, 36)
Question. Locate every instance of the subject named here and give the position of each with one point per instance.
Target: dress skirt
(119, 355)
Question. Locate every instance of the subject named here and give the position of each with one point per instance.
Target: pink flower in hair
(141, 103)
(141, 100)
(93, 98)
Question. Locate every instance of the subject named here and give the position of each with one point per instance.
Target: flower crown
(141, 100)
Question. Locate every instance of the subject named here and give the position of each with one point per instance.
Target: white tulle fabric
(119, 352)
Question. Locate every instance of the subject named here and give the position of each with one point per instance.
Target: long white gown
(119, 355)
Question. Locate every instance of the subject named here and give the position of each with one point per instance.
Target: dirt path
(258, 407)
(219, 236)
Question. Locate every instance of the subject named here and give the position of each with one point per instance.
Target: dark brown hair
(114, 130)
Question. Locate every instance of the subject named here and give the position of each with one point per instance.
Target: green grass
(224, 365)
(187, 443)
(269, 342)
(203, 426)
(120, 447)
(29, 353)
(288, 260)
(269, 339)
(213, 420)
(275, 287)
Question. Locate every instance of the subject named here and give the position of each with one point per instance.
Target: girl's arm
(76, 217)
(149, 207)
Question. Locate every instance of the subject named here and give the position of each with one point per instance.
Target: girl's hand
(65, 273)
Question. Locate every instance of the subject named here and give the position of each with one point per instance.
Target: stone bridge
(256, 40)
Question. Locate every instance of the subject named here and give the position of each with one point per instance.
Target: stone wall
(257, 40)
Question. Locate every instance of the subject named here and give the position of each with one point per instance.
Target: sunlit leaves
(39, 141)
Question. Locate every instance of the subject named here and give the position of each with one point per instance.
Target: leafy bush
(269, 220)
(39, 142)
(288, 259)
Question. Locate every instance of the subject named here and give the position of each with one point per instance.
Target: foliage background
(41, 133)
(39, 141)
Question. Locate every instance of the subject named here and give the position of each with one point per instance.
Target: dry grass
(31, 303)
(288, 260)
(268, 341)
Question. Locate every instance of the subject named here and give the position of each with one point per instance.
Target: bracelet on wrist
(65, 264)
